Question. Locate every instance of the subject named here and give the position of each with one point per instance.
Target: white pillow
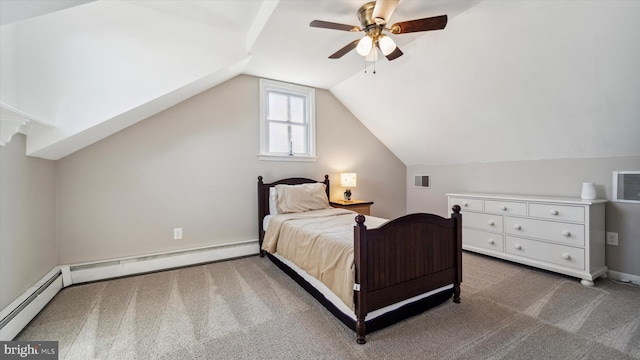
(273, 210)
(300, 198)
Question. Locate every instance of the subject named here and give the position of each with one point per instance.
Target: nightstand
(360, 206)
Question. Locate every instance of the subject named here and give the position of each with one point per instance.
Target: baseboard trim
(619, 276)
(15, 316)
(107, 269)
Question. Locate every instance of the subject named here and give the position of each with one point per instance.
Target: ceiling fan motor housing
(369, 25)
(365, 15)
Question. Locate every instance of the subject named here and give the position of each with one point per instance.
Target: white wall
(195, 166)
(27, 219)
(8, 67)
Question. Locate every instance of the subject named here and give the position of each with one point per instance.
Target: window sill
(286, 158)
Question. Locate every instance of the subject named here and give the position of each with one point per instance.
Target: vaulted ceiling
(504, 81)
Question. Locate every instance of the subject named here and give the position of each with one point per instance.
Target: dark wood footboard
(403, 258)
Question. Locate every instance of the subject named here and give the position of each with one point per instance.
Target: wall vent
(422, 181)
(626, 186)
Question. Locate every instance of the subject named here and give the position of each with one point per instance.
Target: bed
(383, 271)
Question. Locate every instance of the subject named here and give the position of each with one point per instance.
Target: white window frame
(309, 94)
(618, 196)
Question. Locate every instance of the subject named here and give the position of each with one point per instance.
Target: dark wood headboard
(263, 198)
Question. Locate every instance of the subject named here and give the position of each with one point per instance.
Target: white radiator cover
(22, 310)
(100, 270)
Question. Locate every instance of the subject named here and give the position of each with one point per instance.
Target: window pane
(278, 138)
(297, 109)
(277, 107)
(287, 121)
(299, 139)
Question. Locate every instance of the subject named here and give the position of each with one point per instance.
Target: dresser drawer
(571, 234)
(552, 253)
(505, 207)
(467, 204)
(483, 239)
(487, 222)
(557, 212)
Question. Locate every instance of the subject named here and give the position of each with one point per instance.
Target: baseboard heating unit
(22, 310)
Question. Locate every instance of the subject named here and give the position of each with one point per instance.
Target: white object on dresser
(563, 235)
(588, 191)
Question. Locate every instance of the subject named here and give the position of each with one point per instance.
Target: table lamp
(348, 180)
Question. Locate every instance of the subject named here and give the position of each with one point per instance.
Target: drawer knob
(465, 204)
(553, 212)
(491, 241)
(566, 256)
(503, 207)
(491, 223)
(518, 247)
(517, 227)
(566, 233)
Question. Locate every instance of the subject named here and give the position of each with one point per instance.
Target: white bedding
(330, 233)
(319, 242)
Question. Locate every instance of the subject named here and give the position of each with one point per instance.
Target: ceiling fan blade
(383, 10)
(340, 53)
(426, 24)
(333, 26)
(395, 54)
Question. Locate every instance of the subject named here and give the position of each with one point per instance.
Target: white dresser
(564, 235)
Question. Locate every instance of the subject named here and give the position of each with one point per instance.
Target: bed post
(360, 286)
(458, 219)
(261, 214)
(326, 183)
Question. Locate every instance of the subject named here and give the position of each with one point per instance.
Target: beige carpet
(248, 308)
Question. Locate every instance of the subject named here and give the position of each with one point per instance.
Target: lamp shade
(364, 45)
(348, 179)
(387, 45)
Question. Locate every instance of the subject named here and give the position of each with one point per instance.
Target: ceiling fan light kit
(374, 17)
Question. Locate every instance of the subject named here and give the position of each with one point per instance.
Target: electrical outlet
(177, 233)
(612, 238)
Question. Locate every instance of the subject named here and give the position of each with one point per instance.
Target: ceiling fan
(374, 17)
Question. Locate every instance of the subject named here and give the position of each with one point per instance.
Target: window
(287, 122)
(626, 186)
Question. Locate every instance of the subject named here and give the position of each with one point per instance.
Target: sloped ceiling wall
(517, 80)
(94, 69)
(86, 72)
